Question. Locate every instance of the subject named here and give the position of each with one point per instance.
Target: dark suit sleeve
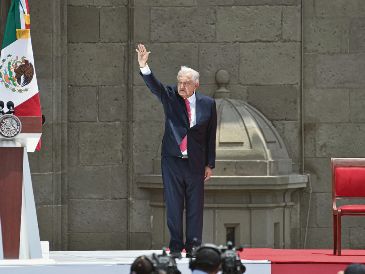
(155, 86)
(212, 130)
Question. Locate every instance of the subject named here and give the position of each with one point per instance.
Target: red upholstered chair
(348, 181)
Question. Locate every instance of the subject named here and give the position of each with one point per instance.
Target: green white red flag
(18, 81)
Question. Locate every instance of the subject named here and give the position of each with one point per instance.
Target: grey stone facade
(301, 63)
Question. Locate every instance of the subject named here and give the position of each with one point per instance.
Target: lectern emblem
(10, 126)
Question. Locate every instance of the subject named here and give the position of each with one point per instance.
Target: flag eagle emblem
(16, 73)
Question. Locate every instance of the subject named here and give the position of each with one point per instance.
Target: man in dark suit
(188, 151)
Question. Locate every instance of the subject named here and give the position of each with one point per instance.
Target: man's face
(186, 86)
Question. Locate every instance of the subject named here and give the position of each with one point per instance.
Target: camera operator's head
(142, 265)
(207, 258)
(354, 269)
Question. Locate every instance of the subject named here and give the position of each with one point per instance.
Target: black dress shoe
(175, 254)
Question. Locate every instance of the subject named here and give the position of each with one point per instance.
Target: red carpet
(298, 261)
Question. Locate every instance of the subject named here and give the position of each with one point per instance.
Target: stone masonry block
(213, 57)
(283, 103)
(166, 60)
(310, 130)
(320, 174)
(267, 2)
(326, 35)
(93, 182)
(292, 23)
(309, 70)
(173, 3)
(43, 188)
(119, 182)
(147, 136)
(357, 237)
(48, 216)
(248, 24)
(100, 143)
(319, 237)
(350, 221)
(47, 93)
(147, 107)
(140, 241)
(98, 241)
(208, 230)
(42, 161)
(322, 203)
(270, 63)
(114, 24)
(210, 89)
(215, 3)
(308, 9)
(325, 105)
(41, 15)
(96, 64)
(341, 70)
(140, 216)
(82, 24)
(82, 105)
(320, 210)
(239, 92)
(113, 105)
(290, 133)
(357, 35)
(41, 42)
(184, 24)
(97, 216)
(357, 102)
(141, 27)
(340, 140)
(103, 3)
(143, 162)
(58, 187)
(340, 8)
(73, 144)
(125, 144)
(43, 53)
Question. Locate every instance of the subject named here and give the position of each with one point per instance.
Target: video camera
(229, 258)
(231, 262)
(161, 264)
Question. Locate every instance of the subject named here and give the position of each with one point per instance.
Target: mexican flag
(18, 81)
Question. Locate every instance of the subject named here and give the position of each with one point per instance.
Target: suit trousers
(182, 186)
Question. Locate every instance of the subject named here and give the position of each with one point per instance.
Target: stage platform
(256, 260)
(100, 262)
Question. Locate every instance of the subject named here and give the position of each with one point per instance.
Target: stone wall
(97, 36)
(104, 127)
(334, 99)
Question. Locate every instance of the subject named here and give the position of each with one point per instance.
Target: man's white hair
(188, 71)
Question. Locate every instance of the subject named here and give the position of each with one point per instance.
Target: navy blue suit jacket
(201, 137)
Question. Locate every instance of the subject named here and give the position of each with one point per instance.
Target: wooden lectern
(19, 237)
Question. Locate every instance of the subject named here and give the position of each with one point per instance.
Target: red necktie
(184, 142)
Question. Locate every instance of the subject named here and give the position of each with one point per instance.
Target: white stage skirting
(99, 262)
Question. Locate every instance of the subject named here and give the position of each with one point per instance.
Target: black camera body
(155, 264)
(229, 259)
(231, 262)
(165, 263)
